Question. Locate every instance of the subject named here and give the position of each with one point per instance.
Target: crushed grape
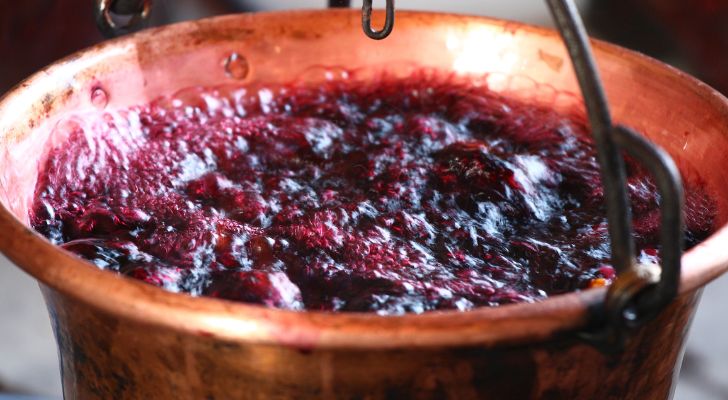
(392, 195)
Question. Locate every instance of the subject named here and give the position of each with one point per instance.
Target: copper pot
(123, 339)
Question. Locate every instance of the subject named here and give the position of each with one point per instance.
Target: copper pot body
(122, 339)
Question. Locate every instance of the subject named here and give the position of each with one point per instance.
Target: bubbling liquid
(392, 196)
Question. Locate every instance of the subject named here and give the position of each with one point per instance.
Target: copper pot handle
(640, 291)
(366, 20)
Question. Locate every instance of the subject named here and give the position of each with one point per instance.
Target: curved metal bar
(641, 291)
(619, 217)
(366, 20)
(669, 185)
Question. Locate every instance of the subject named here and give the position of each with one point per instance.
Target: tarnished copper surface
(106, 357)
(123, 339)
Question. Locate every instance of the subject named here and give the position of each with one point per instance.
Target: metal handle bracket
(366, 20)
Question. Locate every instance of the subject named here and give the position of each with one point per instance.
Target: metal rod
(619, 217)
(641, 291)
(639, 294)
(669, 185)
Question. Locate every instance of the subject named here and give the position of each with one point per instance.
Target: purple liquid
(393, 196)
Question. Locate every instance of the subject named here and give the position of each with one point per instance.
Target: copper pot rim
(147, 305)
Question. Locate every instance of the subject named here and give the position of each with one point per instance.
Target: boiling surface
(394, 196)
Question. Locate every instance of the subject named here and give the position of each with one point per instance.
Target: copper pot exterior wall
(103, 357)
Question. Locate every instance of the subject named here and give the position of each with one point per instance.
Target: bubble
(99, 97)
(236, 66)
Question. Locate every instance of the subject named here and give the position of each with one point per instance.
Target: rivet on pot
(99, 97)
